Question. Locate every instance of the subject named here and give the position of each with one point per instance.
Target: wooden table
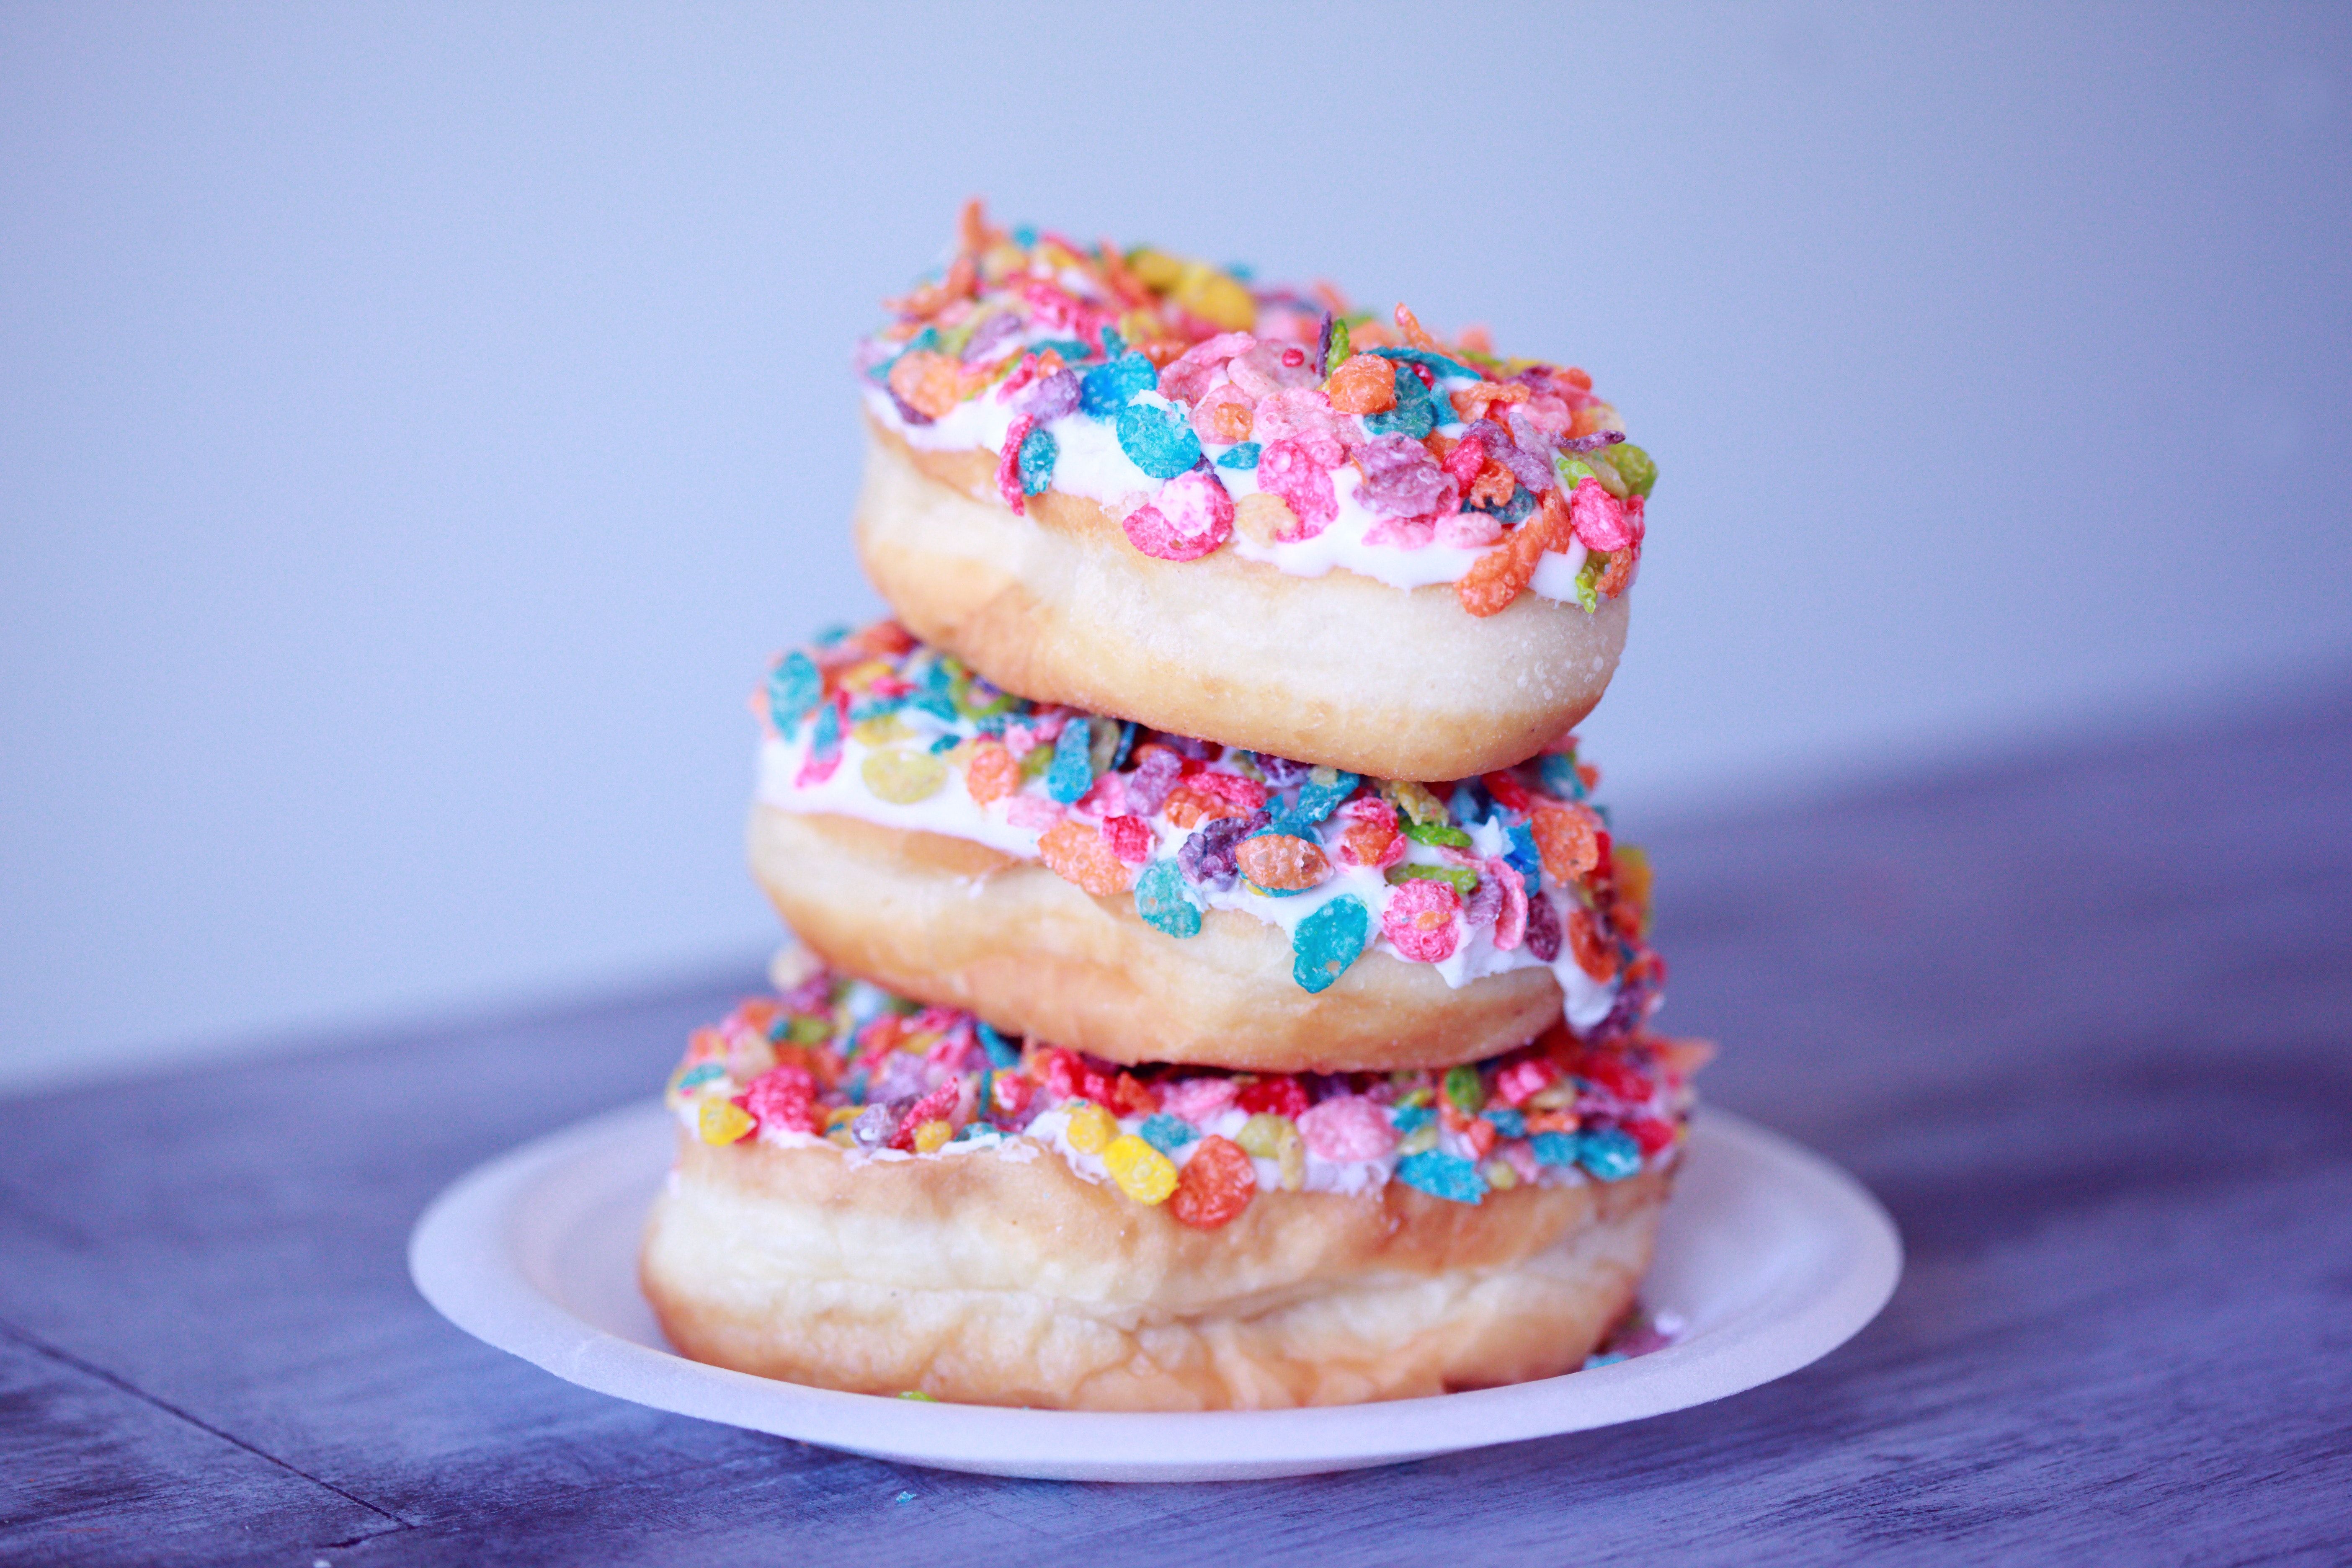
(2081, 1020)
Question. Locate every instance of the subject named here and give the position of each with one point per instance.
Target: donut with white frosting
(1150, 898)
(884, 1198)
(1147, 486)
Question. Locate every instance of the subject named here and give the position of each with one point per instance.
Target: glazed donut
(1406, 562)
(862, 1201)
(1149, 897)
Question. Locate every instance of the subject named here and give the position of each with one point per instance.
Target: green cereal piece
(1159, 900)
(1588, 583)
(1463, 1091)
(1035, 762)
(1635, 466)
(1433, 833)
(1462, 879)
(1327, 942)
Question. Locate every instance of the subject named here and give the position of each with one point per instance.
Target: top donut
(1150, 488)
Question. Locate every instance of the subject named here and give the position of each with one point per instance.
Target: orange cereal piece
(1618, 572)
(1475, 339)
(1282, 862)
(1188, 806)
(1123, 283)
(1566, 841)
(1228, 420)
(1555, 510)
(1581, 380)
(1415, 333)
(1077, 853)
(1495, 485)
(1368, 839)
(1365, 384)
(1216, 1184)
(1496, 578)
(1594, 954)
(1263, 518)
(989, 772)
(973, 233)
(1475, 401)
(928, 382)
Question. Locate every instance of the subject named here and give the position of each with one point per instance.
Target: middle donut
(1146, 897)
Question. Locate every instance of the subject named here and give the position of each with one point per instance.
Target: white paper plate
(1770, 1256)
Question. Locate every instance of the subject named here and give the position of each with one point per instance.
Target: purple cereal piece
(1147, 787)
(1207, 859)
(1543, 928)
(1592, 443)
(991, 335)
(1281, 773)
(907, 411)
(876, 1124)
(1402, 479)
(1049, 397)
(1484, 904)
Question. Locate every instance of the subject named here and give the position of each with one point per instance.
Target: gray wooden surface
(2082, 1020)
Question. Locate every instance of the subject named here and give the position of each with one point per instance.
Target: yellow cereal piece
(860, 676)
(1419, 1140)
(1155, 268)
(722, 1121)
(1215, 295)
(880, 730)
(1263, 518)
(840, 1116)
(1267, 1136)
(932, 1136)
(1142, 1173)
(1500, 1176)
(1091, 1128)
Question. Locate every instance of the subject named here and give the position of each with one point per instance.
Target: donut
(1151, 898)
(1138, 485)
(887, 1199)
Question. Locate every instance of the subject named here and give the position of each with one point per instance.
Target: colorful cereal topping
(1513, 870)
(1208, 410)
(842, 1062)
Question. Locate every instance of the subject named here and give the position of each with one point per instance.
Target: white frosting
(950, 811)
(1090, 463)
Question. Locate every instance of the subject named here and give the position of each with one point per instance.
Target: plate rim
(463, 1258)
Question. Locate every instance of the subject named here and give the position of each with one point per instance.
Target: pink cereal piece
(1516, 1082)
(1224, 415)
(1019, 739)
(1199, 1101)
(1421, 919)
(1547, 412)
(1598, 516)
(1469, 530)
(1106, 796)
(1190, 516)
(1287, 469)
(1008, 467)
(1187, 376)
(1404, 532)
(1348, 1128)
(1301, 411)
(1031, 811)
(1521, 1159)
(1511, 920)
(1130, 838)
(1635, 509)
(1270, 368)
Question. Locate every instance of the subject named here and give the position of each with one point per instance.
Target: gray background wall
(417, 424)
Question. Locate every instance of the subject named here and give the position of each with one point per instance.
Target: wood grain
(2084, 1020)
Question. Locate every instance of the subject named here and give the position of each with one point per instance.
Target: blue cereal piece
(1559, 776)
(1327, 942)
(1467, 803)
(825, 740)
(1415, 414)
(1108, 388)
(1413, 1118)
(1507, 1122)
(1325, 791)
(1159, 900)
(1113, 343)
(1159, 441)
(1072, 350)
(1165, 1132)
(1242, 454)
(1038, 451)
(793, 688)
(1520, 853)
(1447, 1176)
(1438, 364)
(1126, 744)
(1001, 1054)
(1553, 1148)
(1072, 772)
(1609, 1154)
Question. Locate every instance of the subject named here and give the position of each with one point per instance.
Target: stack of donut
(1215, 986)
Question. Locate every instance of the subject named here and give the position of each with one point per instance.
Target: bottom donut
(883, 1199)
